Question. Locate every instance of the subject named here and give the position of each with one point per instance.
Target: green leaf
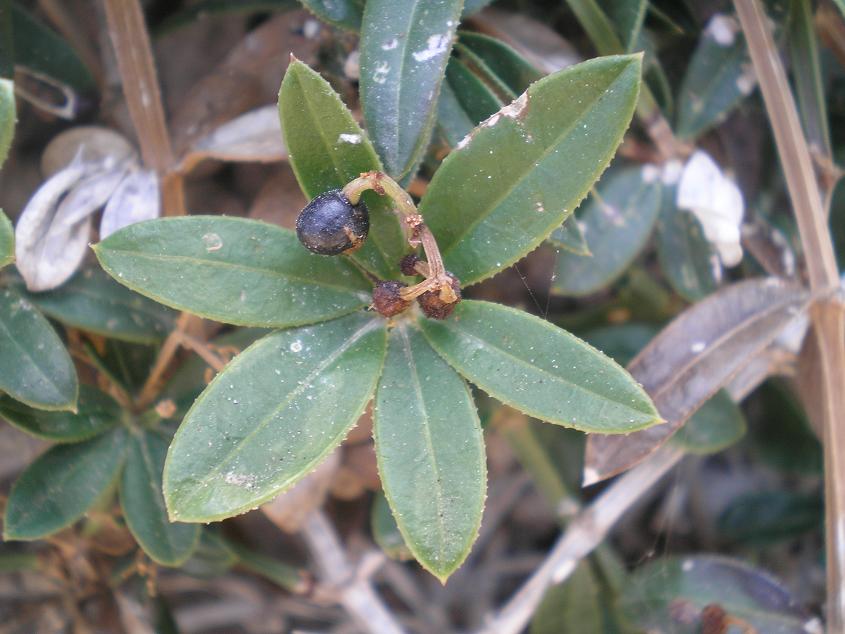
(62, 484)
(688, 259)
(473, 6)
(385, 531)
(627, 16)
(8, 117)
(96, 413)
(521, 173)
(345, 14)
(7, 240)
(212, 556)
(270, 416)
(94, 302)
(465, 100)
(282, 574)
(660, 589)
(35, 368)
(405, 46)
(841, 5)
(717, 425)
(570, 237)
(143, 503)
(617, 220)
(771, 516)
(327, 149)
(717, 78)
(807, 74)
(430, 453)
(233, 270)
(507, 66)
(540, 369)
(39, 49)
(621, 342)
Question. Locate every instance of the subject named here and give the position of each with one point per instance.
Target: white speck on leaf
(437, 45)
(390, 44)
(722, 29)
(354, 139)
(212, 241)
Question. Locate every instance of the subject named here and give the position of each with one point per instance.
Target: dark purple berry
(433, 305)
(330, 224)
(387, 299)
(407, 264)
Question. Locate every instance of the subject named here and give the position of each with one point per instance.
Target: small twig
(354, 590)
(128, 32)
(829, 312)
(168, 350)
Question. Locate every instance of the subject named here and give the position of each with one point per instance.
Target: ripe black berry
(434, 307)
(387, 300)
(330, 224)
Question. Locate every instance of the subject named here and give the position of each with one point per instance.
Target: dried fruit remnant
(331, 225)
(387, 298)
(439, 303)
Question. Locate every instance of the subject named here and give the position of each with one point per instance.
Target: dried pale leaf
(289, 510)
(92, 144)
(693, 357)
(87, 197)
(47, 254)
(255, 136)
(136, 199)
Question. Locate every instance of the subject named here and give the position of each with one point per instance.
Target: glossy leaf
(540, 369)
(521, 173)
(385, 531)
(717, 425)
(718, 77)
(35, 367)
(507, 66)
(143, 503)
(405, 45)
(233, 270)
(94, 302)
(96, 413)
(667, 585)
(61, 485)
(692, 358)
(38, 48)
(617, 221)
(343, 13)
(688, 259)
(465, 100)
(430, 453)
(327, 149)
(570, 237)
(771, 516)
(7, 241)
(270, 416)
(7, 117)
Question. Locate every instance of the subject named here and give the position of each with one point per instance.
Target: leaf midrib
(371, 325)
(524, 174)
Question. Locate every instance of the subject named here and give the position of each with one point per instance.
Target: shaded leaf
(717, 425)
(94, 302)
(233, 270)
(617, 221)
(465, 100)
(96, 413)
(692, 358)
(211, 557)
(204, 9)
(430, 452)
(627, 16)
(385, 531)
(61, 485)
(771, 516)
(136, 198)
(39, 49)
(570, 237)
(621, 342)
(521, 173)
(8, 116)
(540, 369)
(270, 416)
(327, 150)
(283, 575)
(688, 259)
(7, 241)
(35, 368)
(405, 45)
(507, 66)
(718, 77)
(669, 593)
(473, 6)
(346, 14)
(143, 503)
